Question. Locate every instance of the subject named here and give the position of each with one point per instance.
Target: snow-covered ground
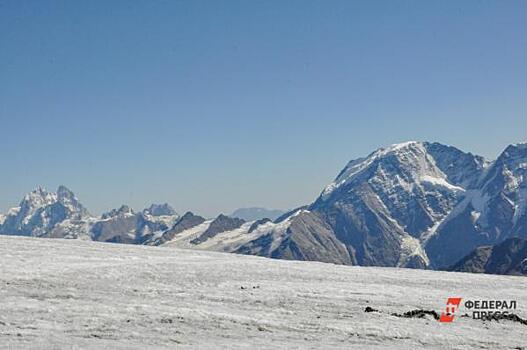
(78, 294)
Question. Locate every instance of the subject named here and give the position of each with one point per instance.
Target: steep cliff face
(506, 258)
(489, 213)
(385, 206)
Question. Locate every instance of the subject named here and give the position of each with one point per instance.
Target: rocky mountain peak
(398, 164)
(41, 211)
(67, 198)
(65, 193)
(160, 210)
(222, 223)
(38, 198)
(508, 257)
(516, 150)
(124, 210)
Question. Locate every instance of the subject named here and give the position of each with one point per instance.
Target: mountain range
(61, 215)
(413, 204)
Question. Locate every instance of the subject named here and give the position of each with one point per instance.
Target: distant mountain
(298, 235)
(257, 213)
(506, 258)
(61, 215)
(186, 222)
(221, 224)
(46, 214)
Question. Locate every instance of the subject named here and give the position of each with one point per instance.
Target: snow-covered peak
(509, 172)
(519, 146)
(515, 155)
(399, 147)
(412, 163)
(409, 186)
(409, 160)
(124, 210)
(160, 210)
(67, 198)
(33, 202)
(40, 211)
(38, 198)
(64, 192)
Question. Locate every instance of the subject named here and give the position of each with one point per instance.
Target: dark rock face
(68, 199)
(461, 168)
(123, 210)
(362, 224)
(187, 221)
(506, 258)
(290, 213)
(474, 262)
(261, 246)
(491, 212)
(455, 239)
(309, 238)
(257, 223)
(118, 229)
(415, 262)
(221, 224)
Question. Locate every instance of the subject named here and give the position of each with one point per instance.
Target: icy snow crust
(78, 294)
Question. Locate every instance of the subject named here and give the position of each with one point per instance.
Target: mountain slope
(384, 206)
(506, 258)
(186, 222)
(491, 212)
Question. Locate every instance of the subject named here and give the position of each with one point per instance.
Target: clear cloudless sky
(214, 105)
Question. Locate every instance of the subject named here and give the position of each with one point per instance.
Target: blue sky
(214, 105)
